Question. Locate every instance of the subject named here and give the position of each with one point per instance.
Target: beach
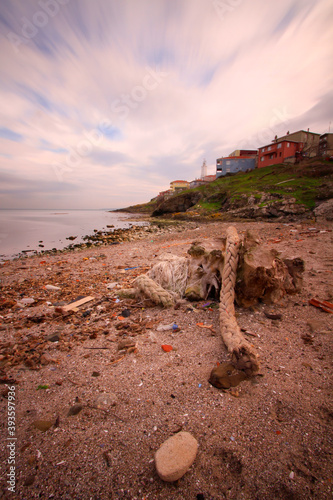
(96, 394)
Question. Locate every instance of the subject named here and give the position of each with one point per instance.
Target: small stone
(316, 326)
(43, 425)
(74, 410)
(106, 400)
(175, 456)
(29, 480)
(46, 359)
(55, 337)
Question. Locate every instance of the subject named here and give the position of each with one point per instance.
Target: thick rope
(154, 291)
(243, 355)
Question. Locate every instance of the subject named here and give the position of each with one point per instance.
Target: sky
(105, 102)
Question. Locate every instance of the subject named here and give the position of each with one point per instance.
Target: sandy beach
(95, 395)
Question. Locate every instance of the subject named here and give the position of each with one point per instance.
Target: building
(196, 183)
(202, 182)
(288, 148)
(165, 194)
(306, 137)
(280, 152)
(239, 160)
(244, 152)
(325, 147)
(209, 178)
(179, 185)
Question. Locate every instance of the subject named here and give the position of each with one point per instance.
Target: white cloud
(221, 78)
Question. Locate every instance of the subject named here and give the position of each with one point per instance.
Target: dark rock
(179, 203)
(74, 410)
(55, 337)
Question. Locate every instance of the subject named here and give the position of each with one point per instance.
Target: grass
(306, 183)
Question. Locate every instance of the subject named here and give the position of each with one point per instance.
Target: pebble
(43, 425)
(106, 400)
(74, 410)
(316, 326)
(175, 456)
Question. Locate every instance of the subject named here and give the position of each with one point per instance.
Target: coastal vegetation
(303, 185)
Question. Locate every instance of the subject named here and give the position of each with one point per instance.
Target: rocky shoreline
(110, 236)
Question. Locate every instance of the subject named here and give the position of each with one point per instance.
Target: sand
(96, 395)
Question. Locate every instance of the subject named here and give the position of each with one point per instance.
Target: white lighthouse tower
(204, 169)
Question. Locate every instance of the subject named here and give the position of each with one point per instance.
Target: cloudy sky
(104, 102)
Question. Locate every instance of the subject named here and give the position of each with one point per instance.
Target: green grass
(305, 182)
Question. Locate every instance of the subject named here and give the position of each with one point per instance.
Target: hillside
(267, 192)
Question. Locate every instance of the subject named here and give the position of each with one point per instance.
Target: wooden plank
(74, 305)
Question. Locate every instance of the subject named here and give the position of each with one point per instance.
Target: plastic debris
(324, 305)
(164, 328)
(167, 348)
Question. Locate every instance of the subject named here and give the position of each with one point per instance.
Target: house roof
(279, 142)
(298, 131)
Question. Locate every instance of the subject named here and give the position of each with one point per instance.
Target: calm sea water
(27, 229)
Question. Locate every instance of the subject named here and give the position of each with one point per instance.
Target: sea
(26, 230)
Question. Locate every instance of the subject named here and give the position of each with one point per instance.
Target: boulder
(325, 210)
(175, 456)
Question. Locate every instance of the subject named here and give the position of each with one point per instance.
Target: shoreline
(97, 238)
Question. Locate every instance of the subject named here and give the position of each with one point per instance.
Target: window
(288, 144)
(279, 146)
(280, 154)
(269, 148)
(263, 150)
(228, 162)
(227, 170)
(262, 158)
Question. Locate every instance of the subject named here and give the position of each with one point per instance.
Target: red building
(279, 152)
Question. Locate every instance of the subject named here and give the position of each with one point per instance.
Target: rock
(46, 359)
(43, 425)
(325, 210)
(175, 456)
(225, 376)
(54, 337)
(316, 326)
(106, 400)
(52, 287)
(74, 410)
(179, 203)
(29, 480)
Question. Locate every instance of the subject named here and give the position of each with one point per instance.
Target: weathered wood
(73, 305)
